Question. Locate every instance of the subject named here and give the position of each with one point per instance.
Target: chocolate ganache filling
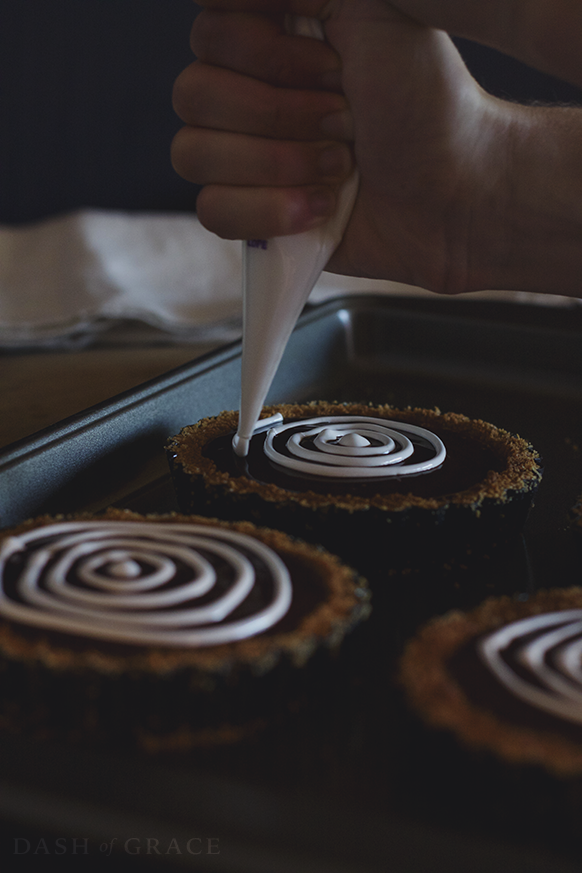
(528, 673)
(143, 583)
(426, 471)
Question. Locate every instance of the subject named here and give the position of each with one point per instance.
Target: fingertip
(261, 213)
(213, 214)
(321, 203)
(295, 210)
(177, 148)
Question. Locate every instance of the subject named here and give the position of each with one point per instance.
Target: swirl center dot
(354, 439)
(124, 569)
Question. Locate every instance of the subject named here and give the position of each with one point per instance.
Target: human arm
(545, 34)
(458, 190)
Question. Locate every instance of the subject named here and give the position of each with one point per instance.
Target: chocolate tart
(474, 502)
(164, 631)
(505, 678)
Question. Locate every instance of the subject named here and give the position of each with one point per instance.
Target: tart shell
(77, 688)
(439, 698)
(396, 530)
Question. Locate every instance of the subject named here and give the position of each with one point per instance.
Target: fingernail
(321, 203)
(334, 161)
(338, 125)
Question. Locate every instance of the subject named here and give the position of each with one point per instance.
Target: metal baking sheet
(353, 784)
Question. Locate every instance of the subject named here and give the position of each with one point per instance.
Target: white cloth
(67, 278)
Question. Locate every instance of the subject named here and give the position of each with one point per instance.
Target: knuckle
(203, 32)
(177, 151)
(188, 93)
(294, 163)
(282, 69)
(284, 161)
(187, 155)
(275, 116)
(180, 95)
(206, 212)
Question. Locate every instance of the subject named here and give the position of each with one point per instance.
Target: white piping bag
(278, 277)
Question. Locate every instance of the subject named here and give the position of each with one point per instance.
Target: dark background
(85, 103)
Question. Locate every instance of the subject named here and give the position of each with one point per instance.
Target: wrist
(544, 34)
(527, 234)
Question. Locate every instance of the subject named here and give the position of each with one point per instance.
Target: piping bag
(278, 277)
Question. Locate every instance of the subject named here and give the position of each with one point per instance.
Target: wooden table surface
(38, 389)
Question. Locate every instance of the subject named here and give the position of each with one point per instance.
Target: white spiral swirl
(353, 446)
(138, 582)
(548, 650)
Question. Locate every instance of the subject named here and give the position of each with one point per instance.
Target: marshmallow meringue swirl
(169, 584)
(539, 660)
(353, 446)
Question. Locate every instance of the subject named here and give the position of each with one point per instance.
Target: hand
(263, 109)
(259, 104)
(458, 190)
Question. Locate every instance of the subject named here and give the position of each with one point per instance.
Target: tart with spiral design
(506, 678)
(380, 486)
(169, 630)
